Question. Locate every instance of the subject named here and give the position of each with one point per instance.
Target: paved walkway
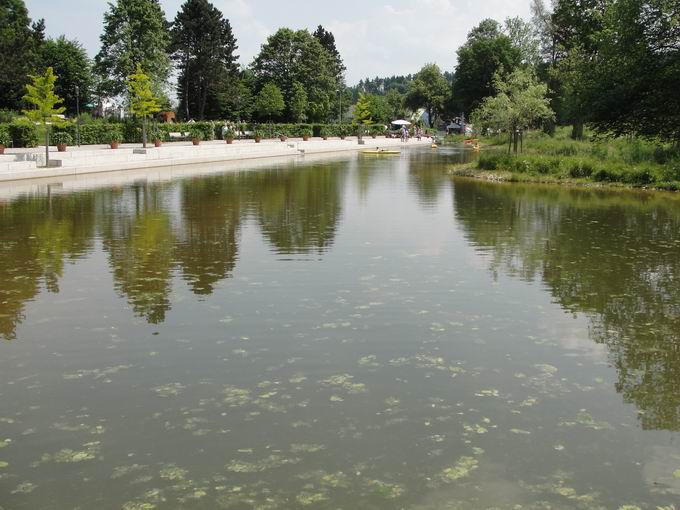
(25, 163)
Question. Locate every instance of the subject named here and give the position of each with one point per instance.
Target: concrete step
(15, 166)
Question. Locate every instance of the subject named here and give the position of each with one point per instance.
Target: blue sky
(375, 37)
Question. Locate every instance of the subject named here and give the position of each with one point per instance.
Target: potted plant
(114, 138)
(306, 134)
(324, 132)
(196, 135)
(229, 135)
(157, 136)
(62, 140)
(258, 134)
(282, 136)
(374, 133)
(4, 141)
(342, 131)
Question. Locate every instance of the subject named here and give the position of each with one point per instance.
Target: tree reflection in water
(151, 232)
(612, 256)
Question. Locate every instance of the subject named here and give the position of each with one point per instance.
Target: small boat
(434, 146)
(381, 152)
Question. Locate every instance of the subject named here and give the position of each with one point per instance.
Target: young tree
(41, 95)
(135, 32)
(520, 102)
(362, 111)
(143, 102)
(204, 46)
(71, 63)
(486, 52)
(19, 51)
(269, 102)
(429, 90)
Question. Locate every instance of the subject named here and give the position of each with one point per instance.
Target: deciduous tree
(40, 94)
(135, 32)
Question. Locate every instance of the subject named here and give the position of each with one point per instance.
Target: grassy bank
(559, 159)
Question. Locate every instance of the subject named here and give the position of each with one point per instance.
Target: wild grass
(634, 162)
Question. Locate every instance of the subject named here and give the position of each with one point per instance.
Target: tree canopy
(74, 69)
(486, 53)
(204, 47)
(135, 32)
(19, 51)
(289, 57)
(430, 90)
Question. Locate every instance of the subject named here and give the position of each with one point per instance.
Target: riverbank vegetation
(561, 159)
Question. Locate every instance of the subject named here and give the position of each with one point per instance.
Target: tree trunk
(144, 132)
(521, 140)
(510, 142)
(577, 130)
(186, 89)
(515, 140)
(47, 145)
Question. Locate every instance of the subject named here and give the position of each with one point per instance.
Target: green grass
(614, 161)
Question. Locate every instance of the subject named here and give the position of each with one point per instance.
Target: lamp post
(77, 115)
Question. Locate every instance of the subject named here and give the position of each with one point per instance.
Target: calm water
(355, 334)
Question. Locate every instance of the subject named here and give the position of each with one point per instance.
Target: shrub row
(97, 132)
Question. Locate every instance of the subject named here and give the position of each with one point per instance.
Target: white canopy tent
(401, 122)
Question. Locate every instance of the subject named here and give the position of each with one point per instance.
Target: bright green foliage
(298, 103)
(143, 102)
(520, 102)
(269, 102)
(486, 53)
(363, 112)
(19, 51)
(40, 94)
(429, 90)
(289, 57)
(204, 47)
(71, 63)
(135, 32)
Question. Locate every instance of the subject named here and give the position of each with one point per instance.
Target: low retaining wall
(80, 161)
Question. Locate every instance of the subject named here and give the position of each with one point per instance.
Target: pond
(354, 332)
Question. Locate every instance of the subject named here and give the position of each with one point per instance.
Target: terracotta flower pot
(157, 143)
(342, 137)
(61, 147)
(2, 149)
(305, 138)
(114, 145)
(229, 140)
(258, 139)
(195, 141)
(325, 137)
(282, 138)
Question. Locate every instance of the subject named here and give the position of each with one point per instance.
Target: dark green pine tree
(327, 40)
(135, 32)
(19, 51)
(204, 47)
